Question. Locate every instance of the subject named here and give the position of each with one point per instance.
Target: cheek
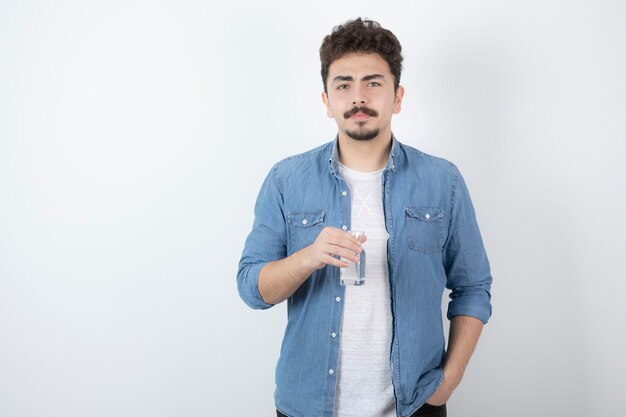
(392, 104)
(337, 107)
(334, 110)
(382, 99)
(337, 100)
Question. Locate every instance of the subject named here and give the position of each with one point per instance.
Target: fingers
(352, 243)
(332, 243)
(334, 236)
(331, 260)
(340, 251)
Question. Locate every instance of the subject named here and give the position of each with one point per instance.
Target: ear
(329, 113)
(397, 105)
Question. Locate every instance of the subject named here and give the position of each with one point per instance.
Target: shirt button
(344, 227)
(338, 299)
(344, 193)
(331, 371)
(304, 221)
(333, 334)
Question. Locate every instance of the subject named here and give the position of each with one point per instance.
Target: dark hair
(364, 36)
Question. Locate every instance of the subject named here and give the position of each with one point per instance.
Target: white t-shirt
(364, 387)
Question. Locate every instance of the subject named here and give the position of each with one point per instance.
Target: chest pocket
(304, 227)
(424, 227)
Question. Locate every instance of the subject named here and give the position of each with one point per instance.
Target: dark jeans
(426, 410)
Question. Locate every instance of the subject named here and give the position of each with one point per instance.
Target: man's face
(361, 96)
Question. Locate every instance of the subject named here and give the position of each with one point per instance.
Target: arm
(266, 275)
(469, 279)
(462, 339)
(279, 279)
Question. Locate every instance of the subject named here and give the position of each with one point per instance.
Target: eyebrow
(350, 78)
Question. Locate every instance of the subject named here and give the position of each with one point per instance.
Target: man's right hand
(278, 280)
(330, 244)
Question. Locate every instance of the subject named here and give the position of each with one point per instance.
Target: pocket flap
(426, 214)
(305, 218)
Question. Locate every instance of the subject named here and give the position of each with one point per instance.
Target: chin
(363, 135)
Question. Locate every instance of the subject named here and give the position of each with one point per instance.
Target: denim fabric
(425, 410)
(434, 242)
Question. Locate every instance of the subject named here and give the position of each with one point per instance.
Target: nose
(359, 98)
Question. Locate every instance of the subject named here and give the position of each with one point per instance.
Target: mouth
(360, 113)
(360, 116)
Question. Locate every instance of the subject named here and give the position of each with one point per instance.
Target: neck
(364, 155)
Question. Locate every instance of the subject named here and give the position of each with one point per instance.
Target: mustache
(362, 109)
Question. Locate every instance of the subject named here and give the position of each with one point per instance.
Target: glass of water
(354, 275)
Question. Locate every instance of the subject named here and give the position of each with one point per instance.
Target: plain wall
(134, 137)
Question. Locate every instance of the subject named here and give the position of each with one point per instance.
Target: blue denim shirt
(434, 242)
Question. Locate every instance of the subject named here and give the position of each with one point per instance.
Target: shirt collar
(334, 155)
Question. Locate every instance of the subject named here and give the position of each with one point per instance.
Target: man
(376, 349)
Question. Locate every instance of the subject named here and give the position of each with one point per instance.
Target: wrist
(452, 378)
(305, 261)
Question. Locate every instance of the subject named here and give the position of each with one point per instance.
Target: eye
(373, 84)
(342, 86)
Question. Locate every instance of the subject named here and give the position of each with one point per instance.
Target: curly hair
(363, 36)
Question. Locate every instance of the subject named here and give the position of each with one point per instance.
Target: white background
(134, 137)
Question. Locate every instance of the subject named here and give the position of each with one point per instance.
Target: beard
(362, 134)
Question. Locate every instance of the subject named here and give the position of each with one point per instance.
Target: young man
(376, 349)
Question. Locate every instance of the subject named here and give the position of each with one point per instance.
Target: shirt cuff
(249, 287)
(476, 306)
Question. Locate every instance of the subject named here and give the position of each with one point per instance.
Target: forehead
(357, 64)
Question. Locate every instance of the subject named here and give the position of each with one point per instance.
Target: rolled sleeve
(465, 259)
(248, 286)
(266, 242)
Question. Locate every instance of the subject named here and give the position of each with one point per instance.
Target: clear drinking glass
(354, 275)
